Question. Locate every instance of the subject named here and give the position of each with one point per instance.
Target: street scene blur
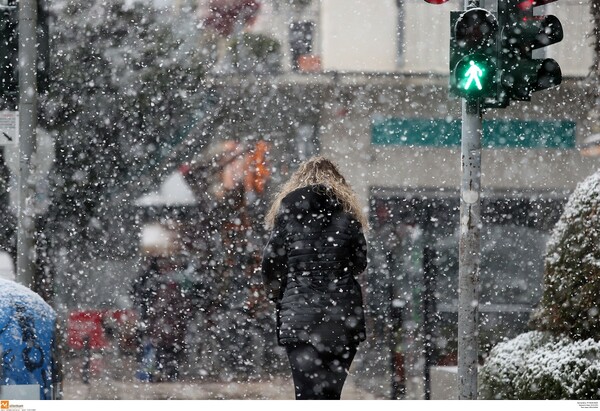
(140, 155)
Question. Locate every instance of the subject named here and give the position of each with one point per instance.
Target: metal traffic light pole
(491, 63)
(469, 249)
(27, 140)
(469, 244)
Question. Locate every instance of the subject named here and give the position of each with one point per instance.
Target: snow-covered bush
(569, 303)
(538, 366)
(561, 359)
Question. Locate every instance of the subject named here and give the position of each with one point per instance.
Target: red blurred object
(185, 169)
(436, 1)
(309, 63)
(86, 324)
(122, 316)
(98, 326)
(525, 5)
(529, 4)
(224, 14)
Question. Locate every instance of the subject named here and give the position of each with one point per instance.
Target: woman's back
(309, 267)
(325, 250)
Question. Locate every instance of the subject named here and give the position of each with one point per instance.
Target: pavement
(274, 389)
(114, 382)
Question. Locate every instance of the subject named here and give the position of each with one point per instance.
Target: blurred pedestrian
(142, 293)
(316, 250)
(142, 290)
(170, 314)
(163, 294)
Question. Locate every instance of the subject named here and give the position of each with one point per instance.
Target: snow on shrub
(561, 359)
(569, 304)
(538, 365)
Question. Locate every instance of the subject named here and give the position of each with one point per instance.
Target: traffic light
(473, 54)
(521, 33)
(9, 49)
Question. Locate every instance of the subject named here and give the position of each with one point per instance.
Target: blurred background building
(366, 83)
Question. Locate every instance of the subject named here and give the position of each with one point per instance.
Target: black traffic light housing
(473, 54)
(9, 50)
(520, 33)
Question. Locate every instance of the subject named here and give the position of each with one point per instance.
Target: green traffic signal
(473, 54)
(474, 76)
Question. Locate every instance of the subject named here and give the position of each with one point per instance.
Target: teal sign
(496, 133)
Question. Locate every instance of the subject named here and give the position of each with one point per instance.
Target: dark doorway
(412, 283)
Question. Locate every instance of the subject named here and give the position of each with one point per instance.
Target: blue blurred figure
(27, 344)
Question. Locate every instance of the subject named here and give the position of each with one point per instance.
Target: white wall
(574, 54)
(427, 34)
(358, 35)
(426, 37)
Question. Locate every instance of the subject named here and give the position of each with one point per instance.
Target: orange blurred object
(309, 64)
(256, 170)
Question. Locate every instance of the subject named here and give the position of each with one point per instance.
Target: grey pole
(469, 250)
(27, 140)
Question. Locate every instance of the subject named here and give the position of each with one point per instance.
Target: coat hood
(313, 199)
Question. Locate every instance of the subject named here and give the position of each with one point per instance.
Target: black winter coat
(309, 268)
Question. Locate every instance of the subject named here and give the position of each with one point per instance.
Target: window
(301, 42)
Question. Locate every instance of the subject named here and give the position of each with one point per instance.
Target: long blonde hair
(314, 171)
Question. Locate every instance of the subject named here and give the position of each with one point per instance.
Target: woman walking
(316, 250)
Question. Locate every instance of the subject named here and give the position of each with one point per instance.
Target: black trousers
(319, 375)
